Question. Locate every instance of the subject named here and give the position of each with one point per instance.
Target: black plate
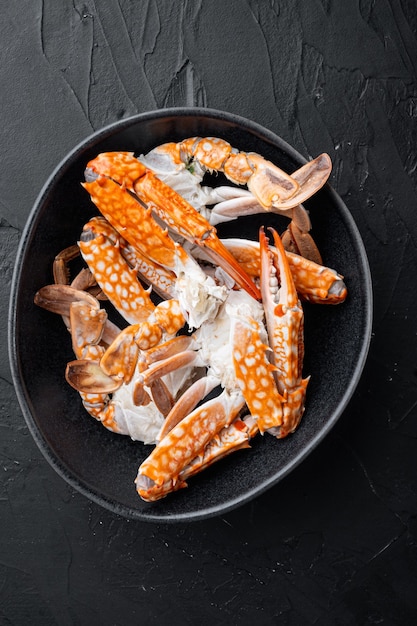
(102, 465)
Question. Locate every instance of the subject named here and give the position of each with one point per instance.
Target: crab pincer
(285, 324)
(270, 188)
(161, 471)
(268, 361)
(181, 217)
(314, 282)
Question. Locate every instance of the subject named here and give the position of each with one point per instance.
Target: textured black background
(335, 542)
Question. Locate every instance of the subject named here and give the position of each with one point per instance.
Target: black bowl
(102, 465)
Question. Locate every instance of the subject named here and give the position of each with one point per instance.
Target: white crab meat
(214, 337)
(198, 294)
(141, 423)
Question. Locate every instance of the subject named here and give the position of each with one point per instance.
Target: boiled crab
(260, 345)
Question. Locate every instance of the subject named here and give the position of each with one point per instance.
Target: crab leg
(271, 188)
(297, 237)
(313, 282)
(90, 329)
(167, 358)
(100, 247)
(274, 188)
(58, 298)
(91, 334)
(98, 372)
(230, 439)
(176, 212)
(87, 328)
(118, 363)
(187, 440)
(144, 234)
(60, 266)
(187, 403)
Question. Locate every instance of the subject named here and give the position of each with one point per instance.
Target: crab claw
(255, 374)
(185, 220)
(276, 190)
(176, 212)
(187, 440)
(230, 439)
(285, 324)
(314, 282)
(128, 215)
(101, 249)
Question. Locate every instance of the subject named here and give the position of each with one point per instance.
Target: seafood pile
(211, 350)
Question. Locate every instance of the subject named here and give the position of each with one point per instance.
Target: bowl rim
(24, 401)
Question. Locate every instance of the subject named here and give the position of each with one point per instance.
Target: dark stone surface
(335, 541)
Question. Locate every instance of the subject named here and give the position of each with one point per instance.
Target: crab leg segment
(176, 212)
(285, 322)
(61, 261)
(187, 440)
(87, 325)
(230, 439)
(58, 298)
(187, 403)
(273, 188)
(168, 315)
(100, 246)
(168, 357)
(118, 363)
(161, 280)
(255, 373)
(132, 219)
(181, 217)
(313, 282)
